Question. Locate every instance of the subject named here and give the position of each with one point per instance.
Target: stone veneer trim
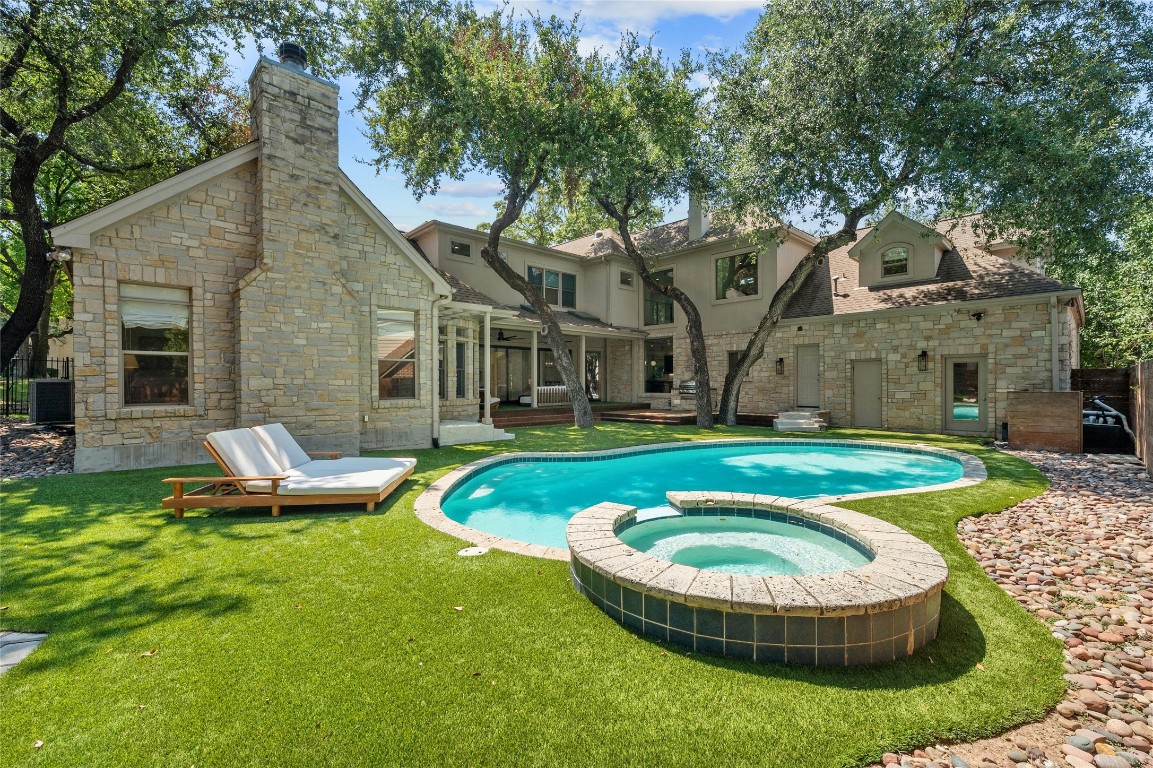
(428, 504)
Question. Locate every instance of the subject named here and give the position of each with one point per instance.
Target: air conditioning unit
(50, 401)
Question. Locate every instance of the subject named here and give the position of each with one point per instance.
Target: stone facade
(285, 269)
(1014, 340)
(620, 370)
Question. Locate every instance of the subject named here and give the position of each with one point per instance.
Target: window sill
(736, 299)
(154, 412)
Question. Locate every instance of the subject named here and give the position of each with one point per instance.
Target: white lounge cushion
(298, 483)
(322, 467)
(281, 444)
(244, 454)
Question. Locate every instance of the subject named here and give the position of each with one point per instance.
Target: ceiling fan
(500, 336)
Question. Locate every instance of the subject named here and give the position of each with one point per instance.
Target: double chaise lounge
(266, 467)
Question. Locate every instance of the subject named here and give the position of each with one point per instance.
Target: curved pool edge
(882, 611)
(428, 509)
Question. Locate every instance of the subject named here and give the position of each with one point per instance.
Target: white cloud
(459, 210)
(486, 189)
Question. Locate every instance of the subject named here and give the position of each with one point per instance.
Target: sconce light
(978, 316)
(780, 366)
(59, 254)
(923, 360)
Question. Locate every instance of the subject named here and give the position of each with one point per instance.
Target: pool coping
(428, 510)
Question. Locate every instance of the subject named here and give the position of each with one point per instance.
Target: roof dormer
(898, 250)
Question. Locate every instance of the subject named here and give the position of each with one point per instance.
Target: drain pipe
(435, 377)
(1097, 401)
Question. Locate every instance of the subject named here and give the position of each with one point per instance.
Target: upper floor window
(154, 344)
(396, 354)
(463, 250)
(626, 278)
(736, 276)
(658, 307)
(559, 288)
(895, 261)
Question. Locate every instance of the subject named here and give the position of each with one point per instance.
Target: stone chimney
(698, 218)
(296, 339)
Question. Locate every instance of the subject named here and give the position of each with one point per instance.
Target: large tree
(449, 90)
(72, 79)
(1032, 113)
(648, 133)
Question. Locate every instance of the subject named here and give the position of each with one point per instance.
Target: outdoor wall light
(978, 316)
(780, 366)
(59, 254)
(923, 360)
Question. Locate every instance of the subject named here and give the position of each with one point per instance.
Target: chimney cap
(293, 56)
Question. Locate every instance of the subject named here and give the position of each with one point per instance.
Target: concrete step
(462, 432)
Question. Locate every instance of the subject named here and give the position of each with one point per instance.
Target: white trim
(78, 232)
(440, 285)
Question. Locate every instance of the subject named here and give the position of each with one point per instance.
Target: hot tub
(879, 611)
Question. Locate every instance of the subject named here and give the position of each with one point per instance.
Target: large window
(895, 261)
(559, 288)
(154, 344)
(465, 352)
(736, 276)
(658, 365)
(658, 307)
(396, 354)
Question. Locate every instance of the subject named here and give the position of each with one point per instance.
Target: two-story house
(264, 286)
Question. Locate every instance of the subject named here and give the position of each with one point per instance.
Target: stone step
(781, 425)
(462, 432)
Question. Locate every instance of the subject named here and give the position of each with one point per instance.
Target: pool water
(742, 545)
(532, 500)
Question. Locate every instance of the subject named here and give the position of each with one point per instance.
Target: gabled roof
(78, 232)
(967, 272)
(896, 219)
(461, 291)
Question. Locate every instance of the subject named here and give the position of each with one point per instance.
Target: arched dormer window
(895, 261)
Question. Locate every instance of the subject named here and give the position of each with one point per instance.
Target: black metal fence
(14, 393)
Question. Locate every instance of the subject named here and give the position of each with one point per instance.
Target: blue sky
(697, 25)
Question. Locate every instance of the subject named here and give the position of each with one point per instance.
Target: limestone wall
(620, 370)
(202, 240)
(1014, 341)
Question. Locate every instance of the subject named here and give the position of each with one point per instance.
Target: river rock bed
(35, 450)
(1079, 557)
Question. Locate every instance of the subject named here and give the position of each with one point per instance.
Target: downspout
(435, 377)
(1056, 346)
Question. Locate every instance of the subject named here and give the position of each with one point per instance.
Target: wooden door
(809, 376)
(867, 393)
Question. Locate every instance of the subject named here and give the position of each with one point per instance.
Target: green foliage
(1118, 290)
(448, 90)
(553, 216)
(1032, 113)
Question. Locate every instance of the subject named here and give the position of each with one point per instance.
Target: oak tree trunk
(37, 276)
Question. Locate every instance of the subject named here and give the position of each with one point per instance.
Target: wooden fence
(1110, 384)
(1141, 408)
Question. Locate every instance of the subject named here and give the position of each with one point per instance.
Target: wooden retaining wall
(1045, 421)
(1141, 408)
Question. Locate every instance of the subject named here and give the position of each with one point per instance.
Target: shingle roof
(566, 318)
(967, 273)
(665, 238)
(461, 291)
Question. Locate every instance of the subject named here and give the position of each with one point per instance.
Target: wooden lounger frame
(230, 491)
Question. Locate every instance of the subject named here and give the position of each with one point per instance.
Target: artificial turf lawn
(348, 638)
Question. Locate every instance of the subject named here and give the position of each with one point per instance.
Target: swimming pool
(530, 498)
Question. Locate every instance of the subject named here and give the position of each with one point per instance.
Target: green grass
(332, 638)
